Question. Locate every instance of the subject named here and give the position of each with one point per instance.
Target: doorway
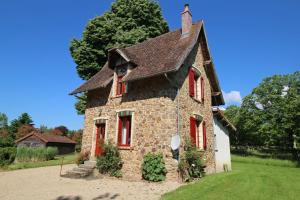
(100, 137)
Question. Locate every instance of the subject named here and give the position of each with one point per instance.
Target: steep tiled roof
(152, 57)
(48, 138)
(163, 54)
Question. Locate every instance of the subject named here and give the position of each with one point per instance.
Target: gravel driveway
(46, 184)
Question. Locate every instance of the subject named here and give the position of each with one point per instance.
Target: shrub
(34, 154)
(153, 167)
(7, 155)
(51, 153)
(110, 161)
(83, 156)
(191, 165)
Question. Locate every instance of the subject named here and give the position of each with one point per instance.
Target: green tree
(63, 129)
(3, 120)
(233, 114)
(127, 22)
(270, 115)
(24, 119)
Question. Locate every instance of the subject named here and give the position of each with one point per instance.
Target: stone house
(149, 92)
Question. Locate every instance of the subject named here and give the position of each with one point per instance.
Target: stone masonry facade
(153, 104)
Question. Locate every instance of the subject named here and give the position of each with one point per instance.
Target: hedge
(7, 155)
(27, 154)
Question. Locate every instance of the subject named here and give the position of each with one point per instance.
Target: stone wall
(189, 105)
(153, 122)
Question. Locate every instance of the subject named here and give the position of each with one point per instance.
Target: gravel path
(46, 184)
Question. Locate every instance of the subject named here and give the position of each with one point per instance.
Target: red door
(100, 136)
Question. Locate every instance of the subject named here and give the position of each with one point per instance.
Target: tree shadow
(106, 196)
(69, 198)
(102, 196)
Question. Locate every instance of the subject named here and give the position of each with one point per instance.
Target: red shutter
(191, 83)
(193, 130)
(204, 134)
(97, 152)
(127, 130)
(120, 86)
(123, 88)
(120, 132)
(202, 89)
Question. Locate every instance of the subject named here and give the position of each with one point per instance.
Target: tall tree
(270, 115)
(63, 129)
(3, 120)
(233, 115)
(24, 119)
(127, 22)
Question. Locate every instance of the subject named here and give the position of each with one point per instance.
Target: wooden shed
(36, 139)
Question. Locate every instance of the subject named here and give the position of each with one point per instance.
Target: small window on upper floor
(196, 85)
(120, 86)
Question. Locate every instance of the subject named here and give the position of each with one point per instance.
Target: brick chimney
(186, 21)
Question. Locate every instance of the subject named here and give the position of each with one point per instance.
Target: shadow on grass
(102, 196)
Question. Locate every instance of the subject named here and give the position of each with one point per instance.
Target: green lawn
(251, 178)
(68, 159)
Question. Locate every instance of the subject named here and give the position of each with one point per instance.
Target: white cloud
(232, 97)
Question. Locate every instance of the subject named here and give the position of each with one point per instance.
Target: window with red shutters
(202, 89)
(120, 86)
(191, 82)
(204, 135)
(124, 131)
(193, 130)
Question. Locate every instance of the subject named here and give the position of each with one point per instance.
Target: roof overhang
(221, 117)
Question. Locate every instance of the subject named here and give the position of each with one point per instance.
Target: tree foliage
(127, 22)
(3, 120)
(23, 119)
(24, 130)
(270, 115)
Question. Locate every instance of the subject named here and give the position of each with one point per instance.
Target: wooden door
(100, 136)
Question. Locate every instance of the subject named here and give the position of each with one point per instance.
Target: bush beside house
(153, 167)
(110, 161)
(191, 165)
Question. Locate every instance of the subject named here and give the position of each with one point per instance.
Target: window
(198, 133)
(120, 86)
(124, 132)
(196, 85)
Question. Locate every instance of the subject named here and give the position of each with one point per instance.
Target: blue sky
(249, 40)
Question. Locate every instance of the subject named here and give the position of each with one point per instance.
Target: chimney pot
(186, 21)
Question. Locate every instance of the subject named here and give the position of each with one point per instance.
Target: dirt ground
(46, 184)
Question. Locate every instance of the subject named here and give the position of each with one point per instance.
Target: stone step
(88, 170)
(90, 163)
(82, 170)
(86, 166)
(76, 174)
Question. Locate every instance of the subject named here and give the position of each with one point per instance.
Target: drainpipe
(178, 111)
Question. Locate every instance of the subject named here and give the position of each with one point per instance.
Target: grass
(251, 178)
(68, 159)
